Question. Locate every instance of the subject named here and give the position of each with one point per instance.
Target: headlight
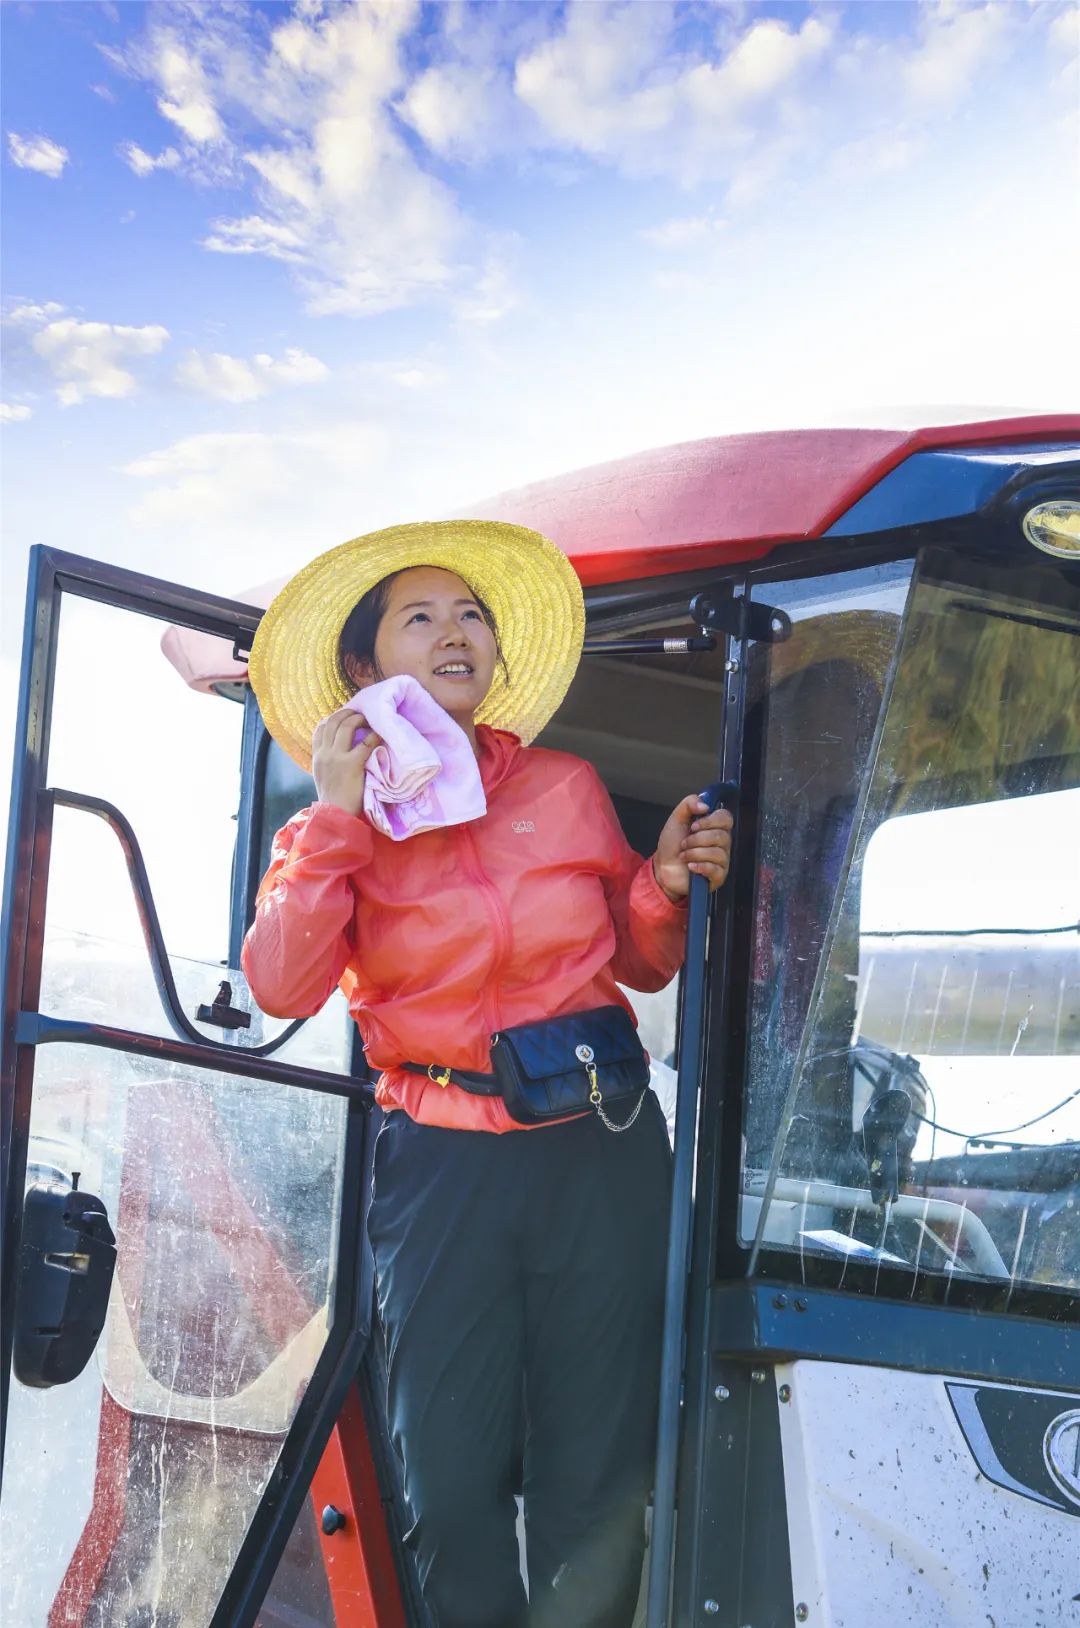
(1055, 528)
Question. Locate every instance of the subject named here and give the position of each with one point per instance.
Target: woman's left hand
(693, 842)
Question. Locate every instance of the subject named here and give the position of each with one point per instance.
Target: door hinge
(741, 618)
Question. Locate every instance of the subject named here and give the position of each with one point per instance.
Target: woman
(509, 1266)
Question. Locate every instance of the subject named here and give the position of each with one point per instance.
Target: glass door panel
(929, 1121)
(224, 1197)
(150, 1478)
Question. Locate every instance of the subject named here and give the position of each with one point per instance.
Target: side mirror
(66, 1263)
(883, 1126)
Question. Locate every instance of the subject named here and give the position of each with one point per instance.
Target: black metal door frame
(741, 1326)
(51, 575)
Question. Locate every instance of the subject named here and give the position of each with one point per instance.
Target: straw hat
(529, 584)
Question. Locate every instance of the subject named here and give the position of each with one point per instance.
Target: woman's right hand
(336, 764)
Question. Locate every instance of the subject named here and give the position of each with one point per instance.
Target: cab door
(185, 1291)
(881, 1396)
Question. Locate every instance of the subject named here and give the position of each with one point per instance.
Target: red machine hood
(679, 508)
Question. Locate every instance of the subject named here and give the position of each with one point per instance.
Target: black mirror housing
(66, 1264)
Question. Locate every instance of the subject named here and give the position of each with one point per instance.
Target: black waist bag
(584, 1062)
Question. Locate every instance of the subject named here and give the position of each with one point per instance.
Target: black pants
(520, 1284)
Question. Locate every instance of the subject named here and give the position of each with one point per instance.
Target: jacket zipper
(502, 927)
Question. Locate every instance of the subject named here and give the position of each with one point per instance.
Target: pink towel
(425, 774)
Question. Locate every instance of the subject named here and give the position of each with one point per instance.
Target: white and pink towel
(425, 773)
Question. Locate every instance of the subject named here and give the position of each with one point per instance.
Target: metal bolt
(758, 1375)
(332, 1520)
(721, 1393)
(779, 1301)
(711, 1608)
(801, 1612)
(800, 1304)
(784, 1393)
(730, 666)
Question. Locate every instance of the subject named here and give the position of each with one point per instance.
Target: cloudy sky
(276, 273)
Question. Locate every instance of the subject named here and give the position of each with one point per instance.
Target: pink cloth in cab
(425, 774)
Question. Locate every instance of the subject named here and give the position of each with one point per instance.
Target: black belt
(478, 1085)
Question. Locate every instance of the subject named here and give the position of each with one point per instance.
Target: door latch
(222, 1012)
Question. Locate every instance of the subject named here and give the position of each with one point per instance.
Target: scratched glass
(928, 1116)
(224, 1195)
(126, 729)
(812, 706)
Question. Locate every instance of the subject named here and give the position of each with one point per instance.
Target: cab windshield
(913, 1094)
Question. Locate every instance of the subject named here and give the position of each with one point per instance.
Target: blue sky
(275, 274)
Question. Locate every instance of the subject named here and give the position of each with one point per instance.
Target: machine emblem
(1061, 1453)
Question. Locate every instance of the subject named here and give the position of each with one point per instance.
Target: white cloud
(29, 315)
(456, 108)
(231, 378)
(614, 85)
(884, 152)
(249, 480)
(305, 107)
(957, 39)
(144, 163)
(415, 378)
(37, 153)
(769, 98)
(601, 85)
(302, 111)
(682, 231)
(490, 295)
(1064, 31)
(185, 98)
(106, 92)
(14, 413)
(763, 61)
(254, 235)
(94, 358)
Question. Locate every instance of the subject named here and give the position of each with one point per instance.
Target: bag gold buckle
(441, 1076)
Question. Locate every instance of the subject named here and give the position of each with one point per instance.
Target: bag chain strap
(597, 1101)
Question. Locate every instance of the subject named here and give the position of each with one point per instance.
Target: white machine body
(902, 1506)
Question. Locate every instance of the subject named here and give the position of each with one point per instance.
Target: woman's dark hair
(361, 628)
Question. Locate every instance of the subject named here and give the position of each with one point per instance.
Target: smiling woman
(428, 623)
(483, 960)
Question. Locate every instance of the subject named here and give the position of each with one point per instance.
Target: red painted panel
(707, 503)
(359, 1560)
(104, 1522)
(699, 504)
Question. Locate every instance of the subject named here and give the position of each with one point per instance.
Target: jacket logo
(523, 826)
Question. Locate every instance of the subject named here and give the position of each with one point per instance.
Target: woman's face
(433, 630)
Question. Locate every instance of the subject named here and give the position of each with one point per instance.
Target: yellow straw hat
(528, 584)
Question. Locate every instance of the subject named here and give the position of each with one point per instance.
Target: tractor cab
(867, 643)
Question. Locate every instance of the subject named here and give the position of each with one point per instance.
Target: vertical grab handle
(691, 1057)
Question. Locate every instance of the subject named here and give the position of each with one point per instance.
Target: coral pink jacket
(529, 912)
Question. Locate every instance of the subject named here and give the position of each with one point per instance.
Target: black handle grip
(721, 794)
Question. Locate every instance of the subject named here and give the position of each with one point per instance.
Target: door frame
(51, 575)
